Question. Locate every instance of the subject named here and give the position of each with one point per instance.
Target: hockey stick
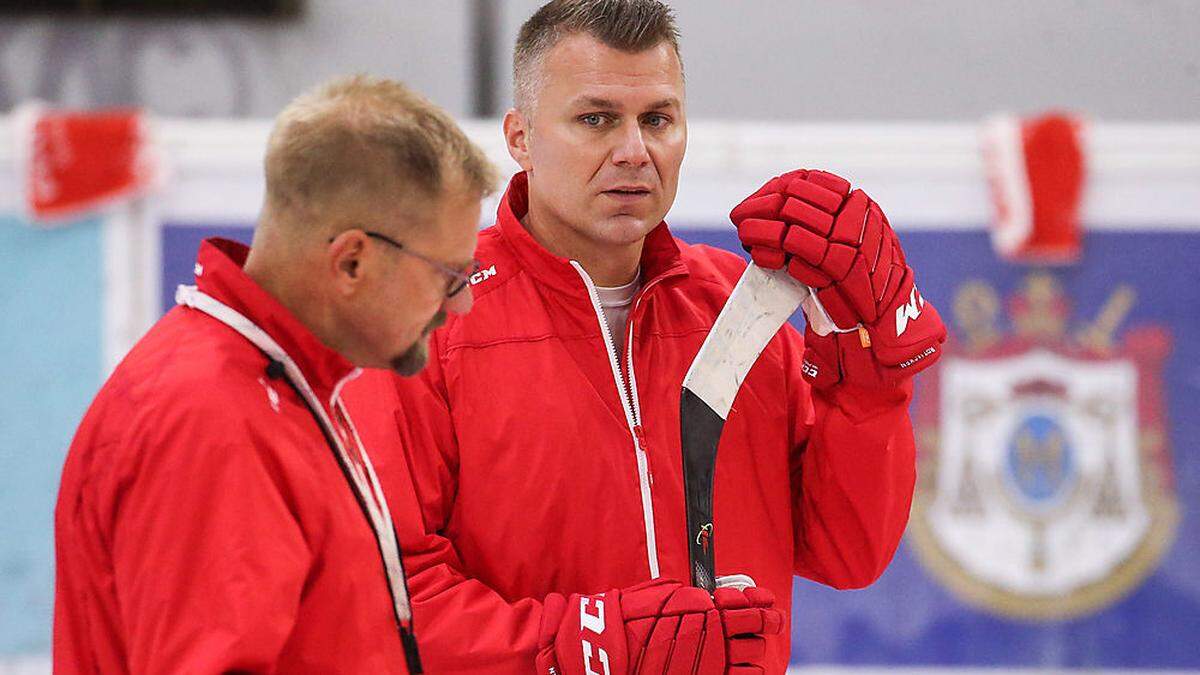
(760, 303)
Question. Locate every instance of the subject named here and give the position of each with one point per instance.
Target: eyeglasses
(456, 280)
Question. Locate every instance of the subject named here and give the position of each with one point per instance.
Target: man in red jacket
(218, 512)
(543, 441)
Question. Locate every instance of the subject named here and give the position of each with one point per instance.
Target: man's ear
(516, 136)
(344, 258)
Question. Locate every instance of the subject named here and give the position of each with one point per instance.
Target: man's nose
(631, 148)
(460, 302)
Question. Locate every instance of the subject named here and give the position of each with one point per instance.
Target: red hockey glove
(839, 243)
(656, 627)
(747, 616)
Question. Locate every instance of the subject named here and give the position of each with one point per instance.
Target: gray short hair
(627, 25)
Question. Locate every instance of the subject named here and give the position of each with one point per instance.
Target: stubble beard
(413, 360)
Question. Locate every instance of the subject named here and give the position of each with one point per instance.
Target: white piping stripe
(392, 560)
(632, 419)
(643, 460)
(337, 388)
(381, 523)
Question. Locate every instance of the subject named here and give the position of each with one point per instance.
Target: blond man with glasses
(219, 511)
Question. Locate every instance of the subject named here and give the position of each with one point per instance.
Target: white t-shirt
(615, 303)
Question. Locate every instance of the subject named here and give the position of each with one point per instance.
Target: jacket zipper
(629, 401)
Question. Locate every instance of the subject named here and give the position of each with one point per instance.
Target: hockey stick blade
(761, 302)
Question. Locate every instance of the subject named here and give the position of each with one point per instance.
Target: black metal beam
(485, 26)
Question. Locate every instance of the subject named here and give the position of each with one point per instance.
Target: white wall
(951, 60)
(228, 68)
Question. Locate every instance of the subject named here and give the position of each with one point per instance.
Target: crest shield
(1043, 490)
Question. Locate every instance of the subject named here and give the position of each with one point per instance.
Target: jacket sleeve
(461, 624)
(853, 471)
(208, 559)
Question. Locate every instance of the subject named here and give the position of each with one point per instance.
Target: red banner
(1036, 167)
(77, 162)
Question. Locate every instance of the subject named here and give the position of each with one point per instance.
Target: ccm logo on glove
(595, 624)
(657, 627)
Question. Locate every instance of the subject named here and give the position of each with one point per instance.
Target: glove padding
(657, 627)
(838, 242)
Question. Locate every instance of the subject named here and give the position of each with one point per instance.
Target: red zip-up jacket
(543, 464)
(204, 524)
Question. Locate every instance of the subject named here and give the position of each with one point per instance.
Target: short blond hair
(357, 139)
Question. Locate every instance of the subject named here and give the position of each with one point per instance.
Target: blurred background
(1040, 161)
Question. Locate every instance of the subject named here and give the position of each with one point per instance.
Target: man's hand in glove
(657, 627)
(838, 242)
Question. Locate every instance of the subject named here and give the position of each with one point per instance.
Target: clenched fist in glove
(838, 242)
(657, 627)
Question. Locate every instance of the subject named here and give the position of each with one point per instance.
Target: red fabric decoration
(1036, 167)
(75, 162)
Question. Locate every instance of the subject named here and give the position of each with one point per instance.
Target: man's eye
(657, 121)
(592, 119)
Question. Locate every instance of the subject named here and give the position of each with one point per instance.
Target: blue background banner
(908, 617)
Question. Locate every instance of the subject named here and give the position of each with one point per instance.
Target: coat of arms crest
(1045, 487)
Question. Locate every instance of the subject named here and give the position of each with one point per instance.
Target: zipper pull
(640, 435)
